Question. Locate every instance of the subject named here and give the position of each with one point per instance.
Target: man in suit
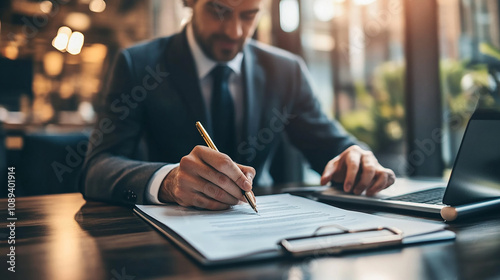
(146, 149)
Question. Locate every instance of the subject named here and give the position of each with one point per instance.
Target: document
(239, 232)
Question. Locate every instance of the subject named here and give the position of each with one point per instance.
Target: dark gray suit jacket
(154, 99)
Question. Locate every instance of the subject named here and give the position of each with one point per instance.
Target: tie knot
(221, 72)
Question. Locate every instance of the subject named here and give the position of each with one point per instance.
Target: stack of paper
(239, 233)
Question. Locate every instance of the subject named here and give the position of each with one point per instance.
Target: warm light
(324, 10)
(363, 2)
(320, 42)
(53, 63)
(64, 30)
(11, 51)
(42, 110)
(95, 53)
(289, 15)
(66, 40)
(60, 41)
(67, 88)
(46, 6)
(97, 6)
(78, 21)
(75, 43)
(42, 85)
(67, 251)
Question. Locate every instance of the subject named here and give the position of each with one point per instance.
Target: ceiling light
(97, 6)
(289, 15)
(46, 6)
(78, 21)
(75, 43)
(363, 2)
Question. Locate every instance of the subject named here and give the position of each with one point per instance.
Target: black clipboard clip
(345, 240)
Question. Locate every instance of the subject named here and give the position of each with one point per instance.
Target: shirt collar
(204, 64)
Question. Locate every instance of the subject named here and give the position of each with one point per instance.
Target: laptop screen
(476, 173)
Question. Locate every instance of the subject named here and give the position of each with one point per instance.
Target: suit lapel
(184, 76)
(253, 88)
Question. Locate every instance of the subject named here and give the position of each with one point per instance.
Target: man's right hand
(207, 179)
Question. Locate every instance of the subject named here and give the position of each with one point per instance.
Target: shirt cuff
(155, 183)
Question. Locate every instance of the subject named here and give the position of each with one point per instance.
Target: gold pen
(210, 143)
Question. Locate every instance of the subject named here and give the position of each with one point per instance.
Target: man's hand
(207, 179)
(359, 170)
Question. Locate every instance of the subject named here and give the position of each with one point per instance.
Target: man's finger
(218, 194)
(224, 164)
(368, 169)
(328, 172)
(352, 168)
(201, 201)
(380, 183)
(339, 172)
(250, 174)
(392, 177)
(198, 173)
(219, 180)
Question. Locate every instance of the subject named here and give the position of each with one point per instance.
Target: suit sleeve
(317, 137)
(113, 171)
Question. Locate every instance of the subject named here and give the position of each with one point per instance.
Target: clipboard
(287, 247)
(196, 254)
(323, 239)
(345, 240)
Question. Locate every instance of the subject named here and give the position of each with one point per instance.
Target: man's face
(221, 27)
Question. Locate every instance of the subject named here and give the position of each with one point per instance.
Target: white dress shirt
(204, 66)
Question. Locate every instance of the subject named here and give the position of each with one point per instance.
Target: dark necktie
(223, 111)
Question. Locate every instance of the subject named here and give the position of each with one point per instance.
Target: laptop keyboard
(431, 196)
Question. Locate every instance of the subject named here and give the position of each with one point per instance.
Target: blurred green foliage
(464, 86)
(378, 117)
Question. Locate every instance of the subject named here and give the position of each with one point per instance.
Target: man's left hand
(359, 170)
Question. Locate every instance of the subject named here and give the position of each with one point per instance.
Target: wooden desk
(64, 237)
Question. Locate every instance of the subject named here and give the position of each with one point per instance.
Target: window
(470, 60)
(354, 50)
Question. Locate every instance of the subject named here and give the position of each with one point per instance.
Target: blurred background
(55, 56)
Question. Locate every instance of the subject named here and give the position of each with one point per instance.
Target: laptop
(475, 177)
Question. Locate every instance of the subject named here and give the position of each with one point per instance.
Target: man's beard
(207, 45)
